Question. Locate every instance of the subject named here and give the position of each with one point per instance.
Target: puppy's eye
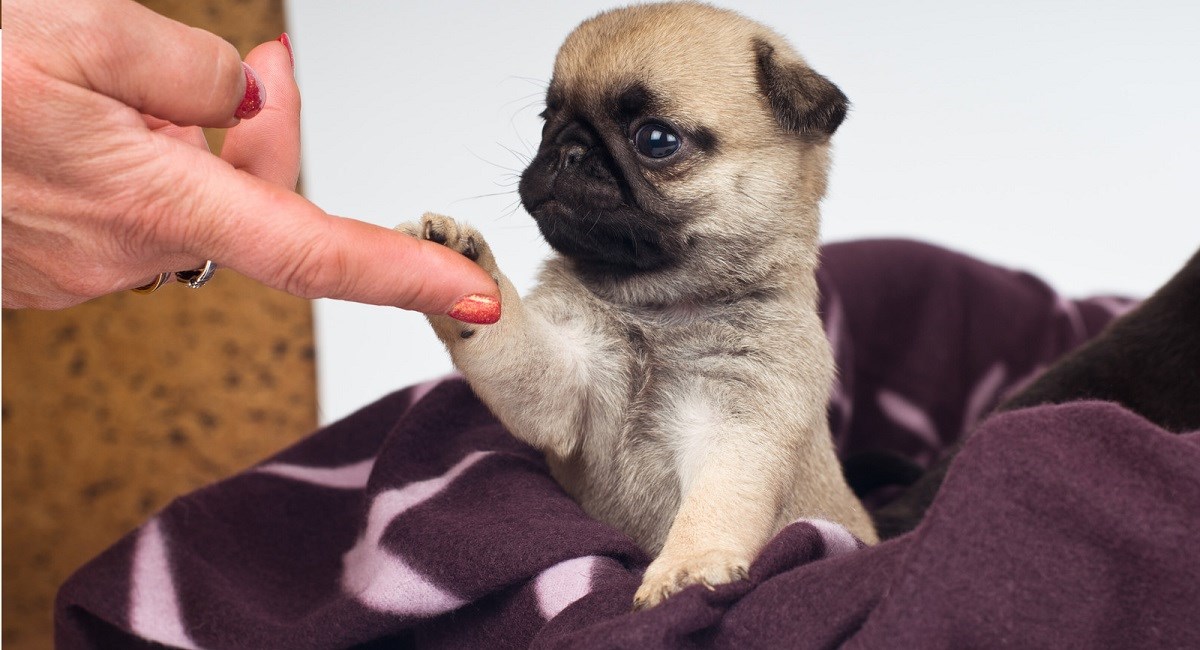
(656, 140)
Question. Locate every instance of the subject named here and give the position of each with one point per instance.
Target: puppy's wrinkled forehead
(682, 57)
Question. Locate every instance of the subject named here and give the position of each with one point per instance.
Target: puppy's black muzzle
(576, 193)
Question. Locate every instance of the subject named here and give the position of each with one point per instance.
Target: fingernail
(287, 42)
(254, 100)
(477, 309)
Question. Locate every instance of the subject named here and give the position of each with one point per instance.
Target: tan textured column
(112, 408)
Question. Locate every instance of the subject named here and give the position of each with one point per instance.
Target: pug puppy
(671, 363)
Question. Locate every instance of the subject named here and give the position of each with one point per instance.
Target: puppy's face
(674, 132)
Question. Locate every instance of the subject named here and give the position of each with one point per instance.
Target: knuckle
(71, 284)
(317, 271)
(85, 286)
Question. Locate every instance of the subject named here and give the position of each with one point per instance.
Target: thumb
(147, 61)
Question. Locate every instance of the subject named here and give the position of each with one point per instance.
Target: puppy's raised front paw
(453, 235)
(664, 577)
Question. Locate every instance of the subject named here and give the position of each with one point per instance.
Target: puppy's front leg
(515, 366)
(729, 511)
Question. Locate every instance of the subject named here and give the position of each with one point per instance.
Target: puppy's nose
(570, 155)
(574, 142)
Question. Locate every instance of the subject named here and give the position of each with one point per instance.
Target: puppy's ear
(804, 102)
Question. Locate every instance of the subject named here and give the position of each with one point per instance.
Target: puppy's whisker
(595, 222)
(633, 240)
(494, 164)
(522, 98)
(512, 122)
(520, 226)
(523, 158)
(504, 180)
(541, 83)
(481, 196)
(512, 207)
(533, 104)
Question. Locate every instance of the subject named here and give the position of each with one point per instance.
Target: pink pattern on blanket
(984, 395)
(419, 391)
(563, 584)
(1070, 311)
(345, 477)
(384, 581)
(1115, 305)
(837, 540)
(910, 417)
(153, 604)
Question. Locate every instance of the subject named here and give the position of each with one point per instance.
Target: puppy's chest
(677, 372)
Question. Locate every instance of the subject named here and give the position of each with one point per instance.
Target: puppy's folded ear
(803, 101)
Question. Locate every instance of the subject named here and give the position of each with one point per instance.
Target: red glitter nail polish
(287, 42)
(254, 99)
(477, 309)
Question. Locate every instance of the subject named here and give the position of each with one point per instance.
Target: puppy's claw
(643, 601)
(434, 232)
(665, 578)
(470, 250)
(458, 237)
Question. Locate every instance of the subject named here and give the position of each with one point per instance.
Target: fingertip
(443, 282)
(477, 309)
(268, 146)
(273, 59)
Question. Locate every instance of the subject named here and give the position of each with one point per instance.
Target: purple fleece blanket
(418, 521)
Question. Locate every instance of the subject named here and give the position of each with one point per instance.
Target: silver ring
(196, 278)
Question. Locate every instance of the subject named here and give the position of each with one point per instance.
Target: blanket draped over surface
(419, 521)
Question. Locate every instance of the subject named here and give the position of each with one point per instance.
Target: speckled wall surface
(112, 408)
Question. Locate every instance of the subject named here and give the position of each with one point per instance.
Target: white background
(1055, 136)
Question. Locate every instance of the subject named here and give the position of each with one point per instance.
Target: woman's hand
(108, 181)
